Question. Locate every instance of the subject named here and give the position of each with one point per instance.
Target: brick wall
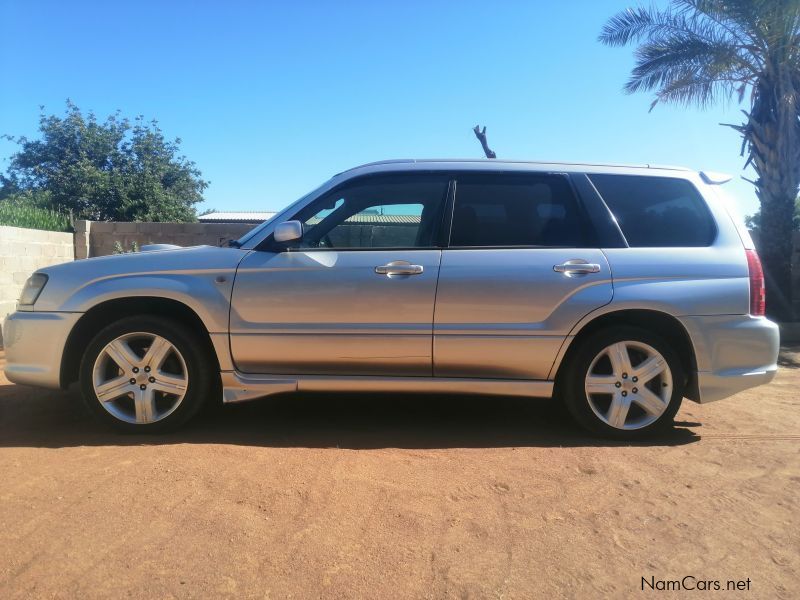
(97, 238)
(22, 251)
(360, 235)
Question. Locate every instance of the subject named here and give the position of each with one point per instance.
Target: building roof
(236, 217)
(260, 217)
(375, 219)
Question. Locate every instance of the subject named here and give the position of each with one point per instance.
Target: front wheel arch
(141, 347)
(105, 313)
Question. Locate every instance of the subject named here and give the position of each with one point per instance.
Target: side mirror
(288, 231)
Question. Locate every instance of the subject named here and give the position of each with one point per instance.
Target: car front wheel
(145, 374)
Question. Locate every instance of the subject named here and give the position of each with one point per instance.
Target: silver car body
(483, 320)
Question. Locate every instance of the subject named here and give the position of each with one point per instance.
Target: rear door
(521, 269)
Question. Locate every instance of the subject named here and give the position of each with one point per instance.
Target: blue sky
(272, 98)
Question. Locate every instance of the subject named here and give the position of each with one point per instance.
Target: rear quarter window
(656, 212)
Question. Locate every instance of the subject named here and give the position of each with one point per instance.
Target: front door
(356, 295)
(521, 270)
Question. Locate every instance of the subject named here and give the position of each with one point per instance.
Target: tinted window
(657, 211)
(386, 212)
(510, 210)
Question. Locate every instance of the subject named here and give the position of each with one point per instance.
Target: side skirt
(239, 387)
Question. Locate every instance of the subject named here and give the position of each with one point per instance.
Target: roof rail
(512, 161)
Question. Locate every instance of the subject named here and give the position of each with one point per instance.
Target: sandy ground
(397, 497)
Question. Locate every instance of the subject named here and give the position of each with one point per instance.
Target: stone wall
(355, 235)
(97, 238)
(22, 251)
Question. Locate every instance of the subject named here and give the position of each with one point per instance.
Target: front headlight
(33, 287)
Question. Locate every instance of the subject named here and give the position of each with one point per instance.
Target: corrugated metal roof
(260, 217)
(236, 217)
(376, 219)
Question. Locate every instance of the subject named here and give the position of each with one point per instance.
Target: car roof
(494, 164)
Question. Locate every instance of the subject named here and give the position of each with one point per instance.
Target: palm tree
(697, 52)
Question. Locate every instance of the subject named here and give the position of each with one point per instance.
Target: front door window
(385, 212)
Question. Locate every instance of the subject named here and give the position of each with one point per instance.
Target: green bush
(33, 217)
(118, 249)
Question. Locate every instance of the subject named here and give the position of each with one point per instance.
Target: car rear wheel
(624, 383)
(145, 374)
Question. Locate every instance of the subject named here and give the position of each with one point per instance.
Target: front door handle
(576, 266)
(399, 267)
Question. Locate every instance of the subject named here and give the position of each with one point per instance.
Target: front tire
(145, 374)
(624, 383)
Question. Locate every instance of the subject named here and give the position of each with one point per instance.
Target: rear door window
(655, 212)
(512, 210)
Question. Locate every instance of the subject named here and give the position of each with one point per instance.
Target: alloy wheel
(629, 385)
(140, 378)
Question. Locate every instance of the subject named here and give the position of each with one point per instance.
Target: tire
(153, 374)
(606, 399)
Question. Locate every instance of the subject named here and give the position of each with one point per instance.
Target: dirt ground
(397, 497)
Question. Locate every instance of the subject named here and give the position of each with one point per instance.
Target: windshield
(259, 228)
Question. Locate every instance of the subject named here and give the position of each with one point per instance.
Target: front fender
(200, 278)
(207, 294)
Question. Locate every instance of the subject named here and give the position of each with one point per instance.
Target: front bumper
(733, 352)
(34, 345)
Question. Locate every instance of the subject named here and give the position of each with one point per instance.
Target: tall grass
(33, 217)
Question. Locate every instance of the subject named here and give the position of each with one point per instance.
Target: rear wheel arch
(663, 324)
(105, 313)
(623, 382)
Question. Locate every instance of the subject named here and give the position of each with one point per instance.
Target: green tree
(111, 170)
(697, 52)
(754, 221)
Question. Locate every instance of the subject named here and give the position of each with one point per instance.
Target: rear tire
(146, 374)
(623, 383)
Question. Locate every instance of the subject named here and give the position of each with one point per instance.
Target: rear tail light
(758, 292)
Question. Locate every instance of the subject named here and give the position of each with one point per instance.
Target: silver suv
(619, 290)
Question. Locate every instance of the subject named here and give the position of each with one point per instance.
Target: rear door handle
(576, 266)
(399, 267)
